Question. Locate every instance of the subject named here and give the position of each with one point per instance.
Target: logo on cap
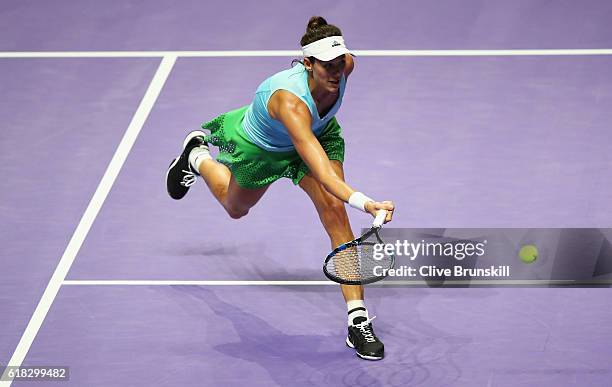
(335, 44)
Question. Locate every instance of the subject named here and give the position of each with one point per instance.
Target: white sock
(356, 308)
(197, 156)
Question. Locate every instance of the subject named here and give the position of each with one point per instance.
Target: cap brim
(332, 53)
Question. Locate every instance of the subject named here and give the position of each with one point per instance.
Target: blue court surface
(465, 114)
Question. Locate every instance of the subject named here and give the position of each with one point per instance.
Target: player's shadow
(214, 251)
(288, 359)
(268, 271)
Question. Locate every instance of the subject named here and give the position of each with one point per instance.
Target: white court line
(91, 212)
(297, 53)
(319, 283)
(193, 283)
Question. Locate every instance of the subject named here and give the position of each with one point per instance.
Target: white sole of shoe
(191, 135)
(350, 345)
(171, 166)
(368, 357)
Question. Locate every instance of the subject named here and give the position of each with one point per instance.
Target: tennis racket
(356, 262)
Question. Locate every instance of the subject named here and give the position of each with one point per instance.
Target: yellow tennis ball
(528, 253)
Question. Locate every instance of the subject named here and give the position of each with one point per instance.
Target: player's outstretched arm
(294, 114)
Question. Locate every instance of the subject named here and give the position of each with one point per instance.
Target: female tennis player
(289, 130)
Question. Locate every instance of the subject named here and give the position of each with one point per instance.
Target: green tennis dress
(257, 148)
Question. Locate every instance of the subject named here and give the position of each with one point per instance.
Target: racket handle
(380, 218)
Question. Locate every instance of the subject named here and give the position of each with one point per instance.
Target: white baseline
(297, 53)
(324, 283)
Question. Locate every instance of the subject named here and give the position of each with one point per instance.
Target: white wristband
(358, 200)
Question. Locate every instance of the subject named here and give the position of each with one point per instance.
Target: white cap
(326, 49)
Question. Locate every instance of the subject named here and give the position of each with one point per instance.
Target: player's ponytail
(317, 28)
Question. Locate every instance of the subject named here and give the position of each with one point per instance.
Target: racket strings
(357, 263)
(347, 263)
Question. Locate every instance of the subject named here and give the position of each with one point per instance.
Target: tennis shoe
(361, 337)
(180, 175)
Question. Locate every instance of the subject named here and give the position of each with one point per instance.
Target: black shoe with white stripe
(180, 175)
(361, 337)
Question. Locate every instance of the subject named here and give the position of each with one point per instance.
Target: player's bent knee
(335, 220)
(334, 214)
(332, 204)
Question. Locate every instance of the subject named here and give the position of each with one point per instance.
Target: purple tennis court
(466, 115)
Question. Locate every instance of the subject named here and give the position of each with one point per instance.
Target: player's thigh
(243, 198)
